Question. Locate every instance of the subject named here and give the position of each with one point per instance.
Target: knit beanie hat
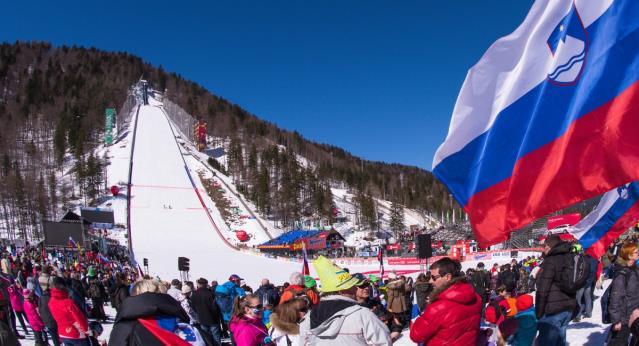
(309, 282)
(524, 302)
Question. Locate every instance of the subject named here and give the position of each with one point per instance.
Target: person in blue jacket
(226, 293)
(527, 321)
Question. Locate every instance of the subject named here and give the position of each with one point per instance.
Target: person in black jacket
(584, 295)
(120, 292)
(149, 305)
(482, 282)
(553, 307)
(624, 294)
(43, 308)
(208, 312)
(507, 278)
(267, 293)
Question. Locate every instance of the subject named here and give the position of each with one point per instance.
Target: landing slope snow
(168, 220)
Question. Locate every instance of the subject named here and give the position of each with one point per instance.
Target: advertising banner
(108, 125)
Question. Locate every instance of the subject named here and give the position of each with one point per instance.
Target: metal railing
(182, 120)
(124, 114)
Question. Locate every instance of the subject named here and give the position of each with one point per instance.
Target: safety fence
(184, 122)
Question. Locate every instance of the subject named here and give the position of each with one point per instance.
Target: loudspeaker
(183, 264)
(424, 247)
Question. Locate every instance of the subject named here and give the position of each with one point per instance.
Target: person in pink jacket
(33, 316)
(246, 324)
(15, 297)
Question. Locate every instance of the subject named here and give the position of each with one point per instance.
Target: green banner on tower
(108, 126)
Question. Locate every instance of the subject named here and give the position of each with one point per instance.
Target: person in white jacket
(338, 319)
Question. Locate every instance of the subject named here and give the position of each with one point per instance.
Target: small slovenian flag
(380, 258)
(103, 259)
(305, 268)
(72, 242)
(616, 212)
(414, 312)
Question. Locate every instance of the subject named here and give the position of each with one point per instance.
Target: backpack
(224, 300)
(605, 301)
(512, 307)
(574, 274)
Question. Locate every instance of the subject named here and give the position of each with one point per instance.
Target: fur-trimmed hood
(286, 327)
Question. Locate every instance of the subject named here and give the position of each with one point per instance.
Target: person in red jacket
(73, 326)
(453, 313)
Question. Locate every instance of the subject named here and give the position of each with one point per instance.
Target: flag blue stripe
(547, 111)
(616, 211)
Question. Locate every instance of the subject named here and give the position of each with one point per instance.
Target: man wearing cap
(338, 319)
(454, 311)
(297, 288)
(208, 312)
(225, 294)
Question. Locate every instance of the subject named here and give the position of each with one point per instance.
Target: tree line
(52, 103)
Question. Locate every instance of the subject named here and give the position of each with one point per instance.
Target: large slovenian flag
(548, 117)
(616, 212)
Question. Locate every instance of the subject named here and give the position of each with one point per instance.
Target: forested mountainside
(52, 103)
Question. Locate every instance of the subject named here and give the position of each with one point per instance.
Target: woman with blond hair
(624, 294)
(285, 328)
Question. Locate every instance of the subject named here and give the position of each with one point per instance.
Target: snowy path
(168, 220)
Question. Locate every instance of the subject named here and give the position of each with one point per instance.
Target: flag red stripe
(628, 219)
(164, 336)
(598, 152)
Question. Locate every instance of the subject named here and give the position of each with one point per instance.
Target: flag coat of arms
(548, 116)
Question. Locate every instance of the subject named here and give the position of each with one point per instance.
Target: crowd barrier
(518, 254)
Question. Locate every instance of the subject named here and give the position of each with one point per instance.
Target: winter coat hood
(150, 304)
(331, 325)
(560, 249)
(283, 326)
(338, 320)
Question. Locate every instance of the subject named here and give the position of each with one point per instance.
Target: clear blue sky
(377, 78)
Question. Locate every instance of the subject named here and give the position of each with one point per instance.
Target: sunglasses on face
(258, 307)
(435, 277)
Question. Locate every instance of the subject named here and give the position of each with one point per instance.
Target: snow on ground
(108, 327)
(167, 217)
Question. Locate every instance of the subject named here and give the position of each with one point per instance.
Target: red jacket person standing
(453, 314)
